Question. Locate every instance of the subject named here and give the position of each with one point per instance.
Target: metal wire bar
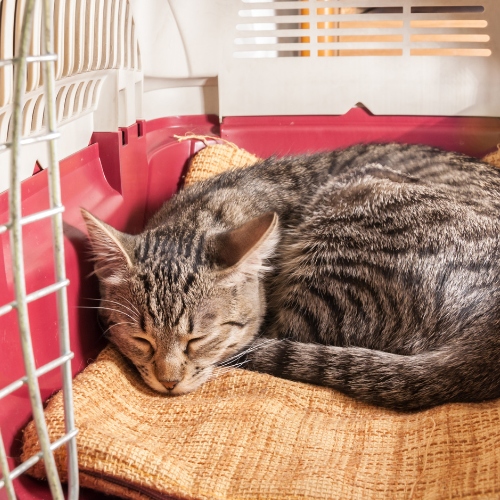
(32, 139)
(35, 458)
(39, 372)
(34, 218)
(4, 467)
(29, 59)
(59, 262)
(35, 296)
(41, 215)
(17, 256)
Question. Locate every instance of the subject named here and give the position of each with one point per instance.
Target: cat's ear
(112, 250)
(248, 245)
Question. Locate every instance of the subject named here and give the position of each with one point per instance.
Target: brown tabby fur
(374, 270)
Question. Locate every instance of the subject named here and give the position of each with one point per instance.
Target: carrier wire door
(21, 298)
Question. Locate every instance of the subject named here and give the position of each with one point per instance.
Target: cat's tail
(404, 383)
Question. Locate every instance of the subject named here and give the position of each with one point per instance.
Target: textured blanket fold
(248, 435)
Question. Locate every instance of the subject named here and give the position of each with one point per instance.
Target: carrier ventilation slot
(91, 38)
(315, 29)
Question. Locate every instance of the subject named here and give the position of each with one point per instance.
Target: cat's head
(178, 301)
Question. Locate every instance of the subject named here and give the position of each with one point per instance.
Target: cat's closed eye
(143, 345)
(193, 343)
(234, 323)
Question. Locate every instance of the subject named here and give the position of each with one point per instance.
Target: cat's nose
(169, 384)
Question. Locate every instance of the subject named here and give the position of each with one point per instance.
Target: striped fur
(377, 276)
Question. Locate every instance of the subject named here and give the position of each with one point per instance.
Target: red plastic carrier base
(123, 178)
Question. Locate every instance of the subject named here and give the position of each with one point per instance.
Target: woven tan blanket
(245, 435)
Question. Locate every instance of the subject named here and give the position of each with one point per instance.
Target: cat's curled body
(374, 270)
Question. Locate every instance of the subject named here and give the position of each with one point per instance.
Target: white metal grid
(20, 304)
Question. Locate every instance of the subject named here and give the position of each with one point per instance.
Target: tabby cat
(373, 270)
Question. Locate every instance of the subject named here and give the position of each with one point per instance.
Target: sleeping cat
(373, 270)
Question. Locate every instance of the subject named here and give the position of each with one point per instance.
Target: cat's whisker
(132, 311)
(237, 365)
(116, 324)
(219, 371)
(230, 360)
(109, 309)
(132, 305)
(215, 375)
(223, 369)
(253, 348)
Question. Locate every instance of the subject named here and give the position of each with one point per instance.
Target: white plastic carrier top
(414, 57)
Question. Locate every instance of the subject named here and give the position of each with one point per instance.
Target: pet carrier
(108, 84)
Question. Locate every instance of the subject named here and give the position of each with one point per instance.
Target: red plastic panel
(283, 135)
(168, 158)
